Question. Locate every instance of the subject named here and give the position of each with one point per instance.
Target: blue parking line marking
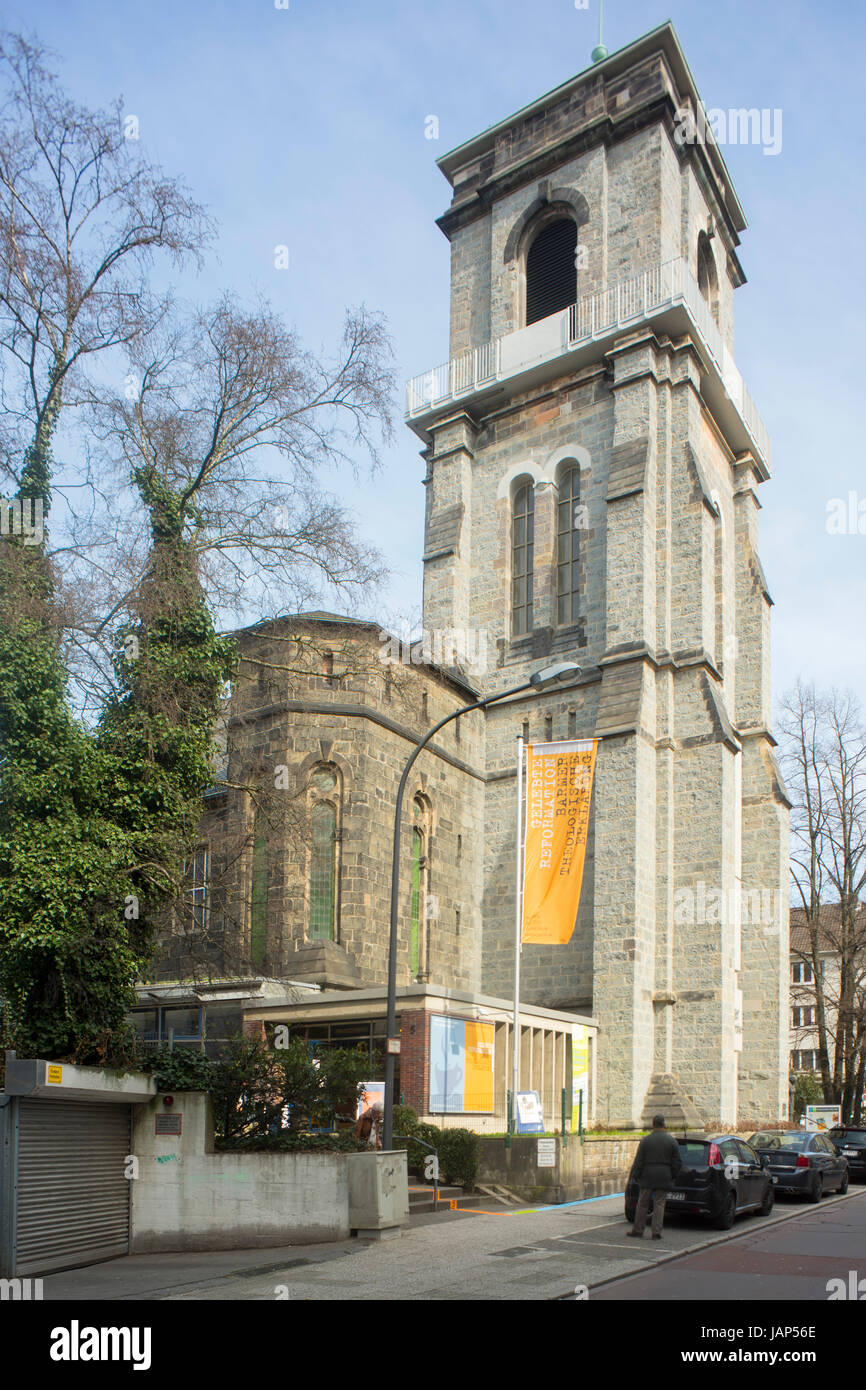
(560, 1206)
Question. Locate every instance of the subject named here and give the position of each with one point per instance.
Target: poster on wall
(372, 1094)
(579, 1073)
(461, 1065)
(530, 1118)
(823, 1116)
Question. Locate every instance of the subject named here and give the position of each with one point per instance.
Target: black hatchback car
(850, 1142)
(802, 1161)
(722, 1177)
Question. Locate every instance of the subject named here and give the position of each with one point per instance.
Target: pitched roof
(829, 926)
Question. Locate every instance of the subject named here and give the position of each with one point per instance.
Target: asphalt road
(822, 1251)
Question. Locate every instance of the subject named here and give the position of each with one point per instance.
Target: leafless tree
(81, 215)
(225, 441)
(824, 757)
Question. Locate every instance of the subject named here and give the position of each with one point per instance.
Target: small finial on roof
(599, 53)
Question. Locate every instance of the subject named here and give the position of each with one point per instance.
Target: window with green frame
(415, 938)
(259, 902)
(323, 871)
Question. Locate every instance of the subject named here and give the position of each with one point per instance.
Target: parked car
(802, 1161)
(722, 1178)
(850, 1142)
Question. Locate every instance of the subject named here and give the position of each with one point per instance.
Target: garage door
(73, 1198)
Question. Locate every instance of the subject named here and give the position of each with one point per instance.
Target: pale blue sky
(305, 126)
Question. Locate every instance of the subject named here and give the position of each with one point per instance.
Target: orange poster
(558, 792)
(478, 1086)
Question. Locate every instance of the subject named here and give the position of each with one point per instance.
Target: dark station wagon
(802, 1161)
(722, 1177)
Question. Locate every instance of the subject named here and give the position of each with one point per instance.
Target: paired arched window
(324, 868)
(551, 270)
(522, 559)
(569, 526)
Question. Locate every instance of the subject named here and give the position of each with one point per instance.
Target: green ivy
(288, 1142)
(95, 826)
(179, 1069)
(68, 955)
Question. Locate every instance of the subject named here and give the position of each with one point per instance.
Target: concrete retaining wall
(591, 1169)
(187, 1197)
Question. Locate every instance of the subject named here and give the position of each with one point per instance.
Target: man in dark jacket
(657, 1163)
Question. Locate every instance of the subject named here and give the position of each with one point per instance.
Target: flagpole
(518, 932)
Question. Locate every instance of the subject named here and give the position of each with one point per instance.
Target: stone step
(421, 1198)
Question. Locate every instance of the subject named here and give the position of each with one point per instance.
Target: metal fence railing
(592, 316)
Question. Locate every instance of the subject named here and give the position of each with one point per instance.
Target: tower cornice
(601, 109)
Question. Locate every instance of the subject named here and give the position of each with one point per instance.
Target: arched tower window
(568, 548)
(522, 559)
(324, 867)
(708, 280)
(551, 270)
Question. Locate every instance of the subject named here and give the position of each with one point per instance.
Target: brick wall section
(414, 1059)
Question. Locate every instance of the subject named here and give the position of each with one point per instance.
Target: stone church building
(591, 465)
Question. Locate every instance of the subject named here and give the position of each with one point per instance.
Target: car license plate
(850, 1153)
(676, 1196)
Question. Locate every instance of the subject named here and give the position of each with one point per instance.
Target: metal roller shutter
(73, 1198)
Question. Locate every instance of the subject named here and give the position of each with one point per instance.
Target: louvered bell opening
(551, 273)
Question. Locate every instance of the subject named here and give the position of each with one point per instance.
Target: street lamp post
(551, 675)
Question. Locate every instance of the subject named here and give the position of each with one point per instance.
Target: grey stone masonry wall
(314, 692)
(672, 632)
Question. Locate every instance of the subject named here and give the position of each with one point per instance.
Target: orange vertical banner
(558, 793)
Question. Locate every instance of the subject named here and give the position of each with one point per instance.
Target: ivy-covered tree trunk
(81, 214)
(94, 830)
(158, 729)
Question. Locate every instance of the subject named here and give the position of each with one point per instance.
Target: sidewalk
(531, 1254)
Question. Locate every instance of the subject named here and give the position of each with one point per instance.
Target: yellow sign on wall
(579, 1073)
(558, 793)
(55, 1075)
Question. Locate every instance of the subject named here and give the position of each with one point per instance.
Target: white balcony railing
(594, 316)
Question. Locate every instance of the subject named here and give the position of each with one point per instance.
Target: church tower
(593, 466)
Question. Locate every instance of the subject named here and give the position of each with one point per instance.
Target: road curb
(721, 1239)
